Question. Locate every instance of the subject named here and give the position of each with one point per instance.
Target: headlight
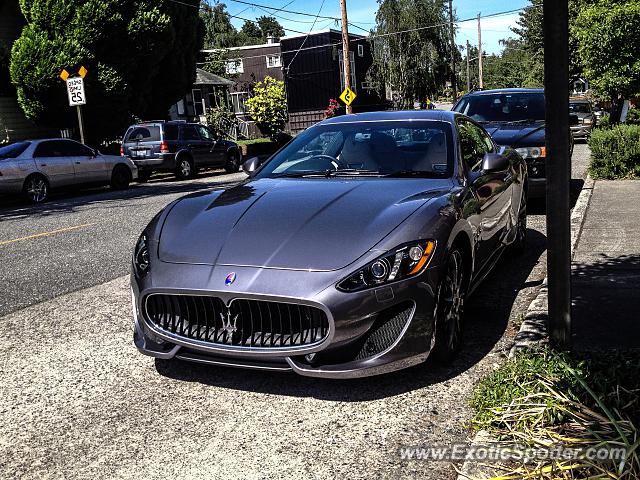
(532, 152)
(403, 262)
(141, 256)
(587, 121)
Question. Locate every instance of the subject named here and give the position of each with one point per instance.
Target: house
(208, 91)
(314, 73)
(311, 67)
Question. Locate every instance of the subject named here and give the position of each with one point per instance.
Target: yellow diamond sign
(82, 72)
(64, 75)
(348, 96)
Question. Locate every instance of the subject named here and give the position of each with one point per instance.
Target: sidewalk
(606, 270)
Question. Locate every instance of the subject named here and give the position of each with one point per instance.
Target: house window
(198, 101)
(352, 63)
(237, 101)
(361, 50)
(234, 66)
(273, 61)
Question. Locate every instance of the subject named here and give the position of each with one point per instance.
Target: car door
(87, 166)
(51, 159)
(492, 190)
(200, 150)
(218, 148)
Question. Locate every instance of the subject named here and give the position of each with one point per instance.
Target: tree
(269, 26)
(251, 32)
(414, 64)
(609, 45)
(268, 106)
(140, 54)
(219, 32)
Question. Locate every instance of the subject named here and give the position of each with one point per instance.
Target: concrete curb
(533, 331)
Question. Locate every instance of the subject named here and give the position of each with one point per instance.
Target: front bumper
(353, 317)
(581, 131)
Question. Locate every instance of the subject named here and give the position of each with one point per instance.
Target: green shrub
(605, 121)
(633, 116)
(615, 152)
(268, 106)
(221, 120)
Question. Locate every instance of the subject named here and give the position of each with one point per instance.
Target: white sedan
(33, 167)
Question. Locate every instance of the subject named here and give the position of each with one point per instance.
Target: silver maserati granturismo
(350, 252)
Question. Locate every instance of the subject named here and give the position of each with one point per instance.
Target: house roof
(205, 78)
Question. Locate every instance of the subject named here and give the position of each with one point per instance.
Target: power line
(259, 5)
(306, 37)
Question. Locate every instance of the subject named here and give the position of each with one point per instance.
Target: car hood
(306, 224)
(517, 135)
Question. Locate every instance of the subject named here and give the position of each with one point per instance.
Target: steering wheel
(332, 160)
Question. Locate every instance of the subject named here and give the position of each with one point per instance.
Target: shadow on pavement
(537, 206)
(606, 303)
(68, 200)
(487, 317)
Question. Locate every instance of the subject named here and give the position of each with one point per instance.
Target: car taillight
(121, 150)
(164, 147)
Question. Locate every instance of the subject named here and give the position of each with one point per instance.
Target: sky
(363, 12)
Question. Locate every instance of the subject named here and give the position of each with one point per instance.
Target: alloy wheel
(449, 308)
(37, 189)
(185, 168)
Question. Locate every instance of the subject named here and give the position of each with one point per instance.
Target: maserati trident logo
(230, 278)
(229, 323)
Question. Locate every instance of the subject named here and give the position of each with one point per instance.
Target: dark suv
(514, 117)
(179, 147)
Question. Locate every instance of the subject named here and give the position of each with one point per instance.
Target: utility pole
(345, 49)
(468, 70)
(480, 80)
(454, 87)
(556, 92)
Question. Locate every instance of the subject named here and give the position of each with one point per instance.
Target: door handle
(77, 163)
(43, 164)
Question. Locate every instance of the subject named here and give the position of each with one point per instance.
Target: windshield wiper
(524, 120)
(411, 174)
(354, 172)
(304, 173)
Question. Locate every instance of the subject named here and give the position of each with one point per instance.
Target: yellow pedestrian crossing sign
(348, 96)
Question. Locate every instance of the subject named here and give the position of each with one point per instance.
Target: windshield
(391, 148)
(579, 108)
(503, 107)
(13, 150)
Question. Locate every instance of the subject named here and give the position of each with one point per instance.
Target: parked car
(179, 147)
(586, 118)
(350, 252)
(33, 167)
(514, 117)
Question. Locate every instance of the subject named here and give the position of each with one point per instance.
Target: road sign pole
(558, 173)
(345, 50)
(80, 123)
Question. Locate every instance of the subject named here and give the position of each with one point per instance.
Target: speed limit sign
(75, 90)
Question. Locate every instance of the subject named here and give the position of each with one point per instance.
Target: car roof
(505, 90)
(40, 140)
(440, 115)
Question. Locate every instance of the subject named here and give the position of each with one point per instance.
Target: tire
(519, 245)
(233, 162)
(144, 175)
(36, 188)
(448, 311)
(120, 177)
(184, 168)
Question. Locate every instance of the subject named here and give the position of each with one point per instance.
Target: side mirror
(494, 162)
(573, 119)
(251, 165)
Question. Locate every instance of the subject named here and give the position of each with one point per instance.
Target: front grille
(245, 323)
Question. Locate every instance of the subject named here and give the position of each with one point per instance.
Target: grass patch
(543, 399)
(251, 141)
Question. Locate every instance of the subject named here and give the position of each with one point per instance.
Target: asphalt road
(78, 401)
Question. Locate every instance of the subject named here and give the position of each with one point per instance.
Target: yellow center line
(46, 234)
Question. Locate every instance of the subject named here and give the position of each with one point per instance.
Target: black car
(179, 147)
(514, 117)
